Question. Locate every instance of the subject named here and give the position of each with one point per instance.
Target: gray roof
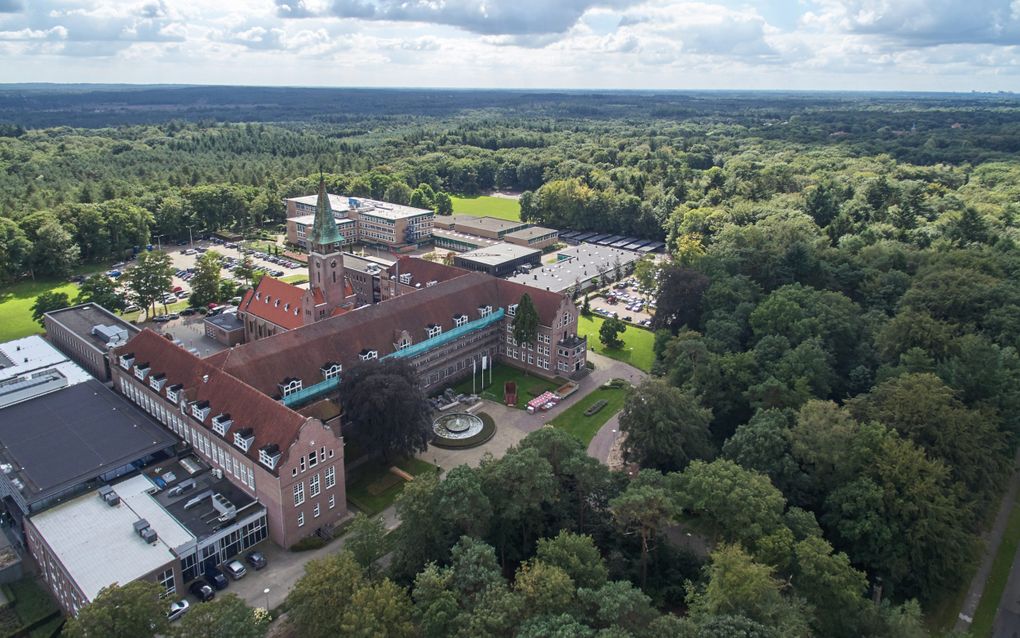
(488, 223)
(498, 254)
(578, 264)
(66, 437)
(226, 321)
(81, 319)
(531, 233)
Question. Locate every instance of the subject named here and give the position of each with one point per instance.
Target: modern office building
(500, 259)
(369, 221)
(487, 227)
(533, 237)
(580, 266)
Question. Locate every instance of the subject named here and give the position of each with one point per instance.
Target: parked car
(131, 308)
(172, 316)
(187, 312)
(161, 318)
(235, 569)
(178, 609)
(256, 559)
(176, 289)
(216, 578)
(202, 591)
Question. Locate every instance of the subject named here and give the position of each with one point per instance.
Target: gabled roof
(273, 423)
(301, 353)
(275, 301)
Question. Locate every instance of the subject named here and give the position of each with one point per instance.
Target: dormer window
(434, 330)
(244, 438)
(269, 455)
(127, 360)
(367, 355)
(286, 307)
(405, 279)
(141, 370)
(331, 370)
(276, 304)
(289, 386)
(266, 300)
(258, 296)
(221, 423)
(511, 310)
(460, 320)
(484, 311)
(200, 410)
(156, 381)
(171, 392)
(431, 283)
(405, 342)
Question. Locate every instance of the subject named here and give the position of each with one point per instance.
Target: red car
(177, 289)
(213, 305)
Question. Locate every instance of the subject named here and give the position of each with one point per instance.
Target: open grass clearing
(574, 421)
(16, 301)
(375, 487)
(529, 386)
(638, 344)
(487, 206)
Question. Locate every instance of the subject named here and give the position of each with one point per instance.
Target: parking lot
(624, 301)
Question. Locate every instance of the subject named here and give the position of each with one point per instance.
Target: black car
(187, 312)
(216, 578)
(256, 559)
(202, 591)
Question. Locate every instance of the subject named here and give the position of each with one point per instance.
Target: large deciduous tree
(46, 302)
(609, 332)
(387, 410)
(205, 286)
(150, 277)
(228, 615)
(134, 610)
(679, 301)
(102, 290)
(666, 427)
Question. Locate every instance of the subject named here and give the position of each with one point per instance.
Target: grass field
(16, 306)
(485, 206)
(528, 386)
(574, 421)
(376, 488)
(984, 617)
(638, 343)
(295, 279)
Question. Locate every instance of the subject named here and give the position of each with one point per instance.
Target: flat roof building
(86, 333)
(225, 328)
(30, 355)
(490, 228)
(369, 221)
(499, 259)
(533, 237)
(579, 266)
(460, 242)
(300, 227)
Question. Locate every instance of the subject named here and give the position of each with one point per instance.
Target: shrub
(308, 543)
(595, 407)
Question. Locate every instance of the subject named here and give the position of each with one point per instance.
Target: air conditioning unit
(149, 535)
(218, 473)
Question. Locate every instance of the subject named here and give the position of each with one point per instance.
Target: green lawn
(16, 306)
(574, 421)
(376, 487)
(528, 386)
(638, 343)
(984, 617)
(485, 206)
(295, 279)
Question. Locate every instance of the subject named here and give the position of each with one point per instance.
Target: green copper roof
(324, 230)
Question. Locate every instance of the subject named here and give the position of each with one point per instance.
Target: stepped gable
(271, 422)
(276, 301)
(301, 353)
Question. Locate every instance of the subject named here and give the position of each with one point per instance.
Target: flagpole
(473, 371)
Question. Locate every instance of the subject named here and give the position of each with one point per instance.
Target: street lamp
(191, 239)
(159, 246)
(266, 592)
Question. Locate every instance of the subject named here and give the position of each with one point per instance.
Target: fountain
(461, 430)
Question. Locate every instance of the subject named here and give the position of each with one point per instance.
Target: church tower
(325, 259)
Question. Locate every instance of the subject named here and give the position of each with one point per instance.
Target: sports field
(486, 206)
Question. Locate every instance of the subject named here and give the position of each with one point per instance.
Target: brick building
(369, 221)
(87, 333)
(292, 464)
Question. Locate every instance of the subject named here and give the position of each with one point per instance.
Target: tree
(525, 323)
(666, 427)
(610, 331)
(150, 277)
(46, 302)
(444, 205)
(647, 274)
(738, 586)
(15, 249)
(544, 589)
(643, 510)
(679, 301)
(100, 289)
(54, 252)
(246, 270)
(366, 541)
(228, 615)
(586, 307)
(398, 193)
(577, 556)
(205, 285)
(387, 410)
(134, 610)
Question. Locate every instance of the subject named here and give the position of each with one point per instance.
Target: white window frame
(299, 493)
(314, 486)
(330, 477)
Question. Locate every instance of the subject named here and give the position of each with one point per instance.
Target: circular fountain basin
(457, 426)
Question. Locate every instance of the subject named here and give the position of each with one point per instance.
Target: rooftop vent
(146, 532)
(107, 494)
(227, 511)
(110, 335)
(182, 487)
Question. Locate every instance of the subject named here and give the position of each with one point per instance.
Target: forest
(836, 388)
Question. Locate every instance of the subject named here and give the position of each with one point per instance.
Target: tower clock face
(332, 264)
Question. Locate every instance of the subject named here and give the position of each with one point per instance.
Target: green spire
(324, 230)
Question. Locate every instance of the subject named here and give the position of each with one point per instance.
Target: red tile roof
(275, 301)
(271, 422)
(423, 271)
(301, 353)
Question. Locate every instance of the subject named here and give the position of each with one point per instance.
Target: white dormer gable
(244, 438)
(367, 355)
(200, 410)
(157, 381)
(127, 360)
(221, 424)
(269, 455)
(141, 370)
(172, 392)
(460, 320)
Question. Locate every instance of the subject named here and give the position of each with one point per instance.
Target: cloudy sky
(660, 44)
